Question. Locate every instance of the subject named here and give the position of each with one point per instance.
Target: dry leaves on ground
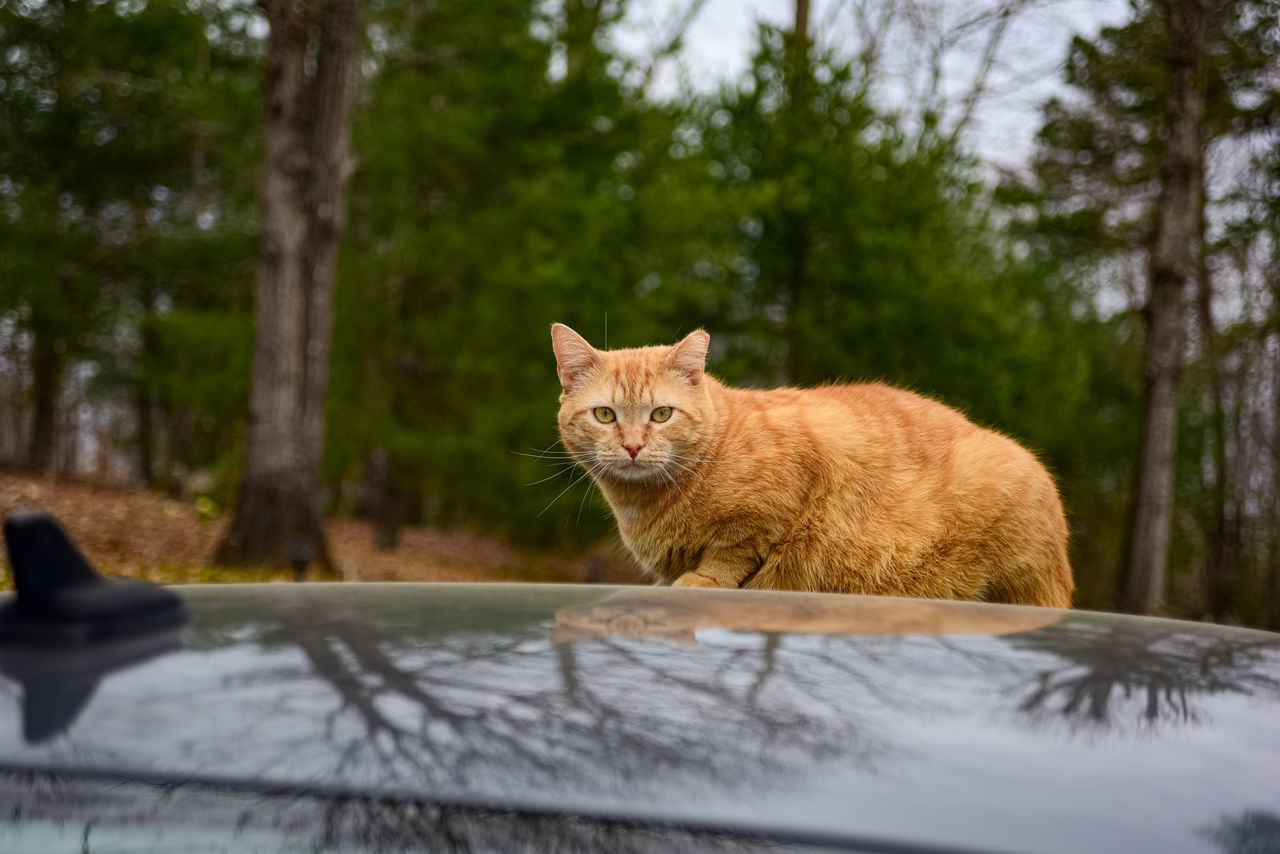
(145, 535)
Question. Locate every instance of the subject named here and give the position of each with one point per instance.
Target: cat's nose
(633, 449)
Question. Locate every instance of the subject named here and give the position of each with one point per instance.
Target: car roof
(803, 717)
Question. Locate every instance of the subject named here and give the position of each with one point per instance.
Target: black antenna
(62, 599)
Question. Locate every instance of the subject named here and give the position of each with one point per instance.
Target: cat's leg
(725, 569)
(693, 579)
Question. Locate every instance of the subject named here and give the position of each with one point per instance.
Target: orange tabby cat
(842, 488)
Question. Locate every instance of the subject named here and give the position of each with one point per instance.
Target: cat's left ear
(689, 357)
(574, 356)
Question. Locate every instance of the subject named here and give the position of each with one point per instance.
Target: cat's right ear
(575, 358)
(689, 357)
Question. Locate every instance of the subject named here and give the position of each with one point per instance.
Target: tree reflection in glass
(1103, 676)
(1252, 832)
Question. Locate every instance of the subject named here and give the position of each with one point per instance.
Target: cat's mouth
(633, 470)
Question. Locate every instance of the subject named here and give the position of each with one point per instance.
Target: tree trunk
(1170, 264)
(48, 362)
(13, 403)
(177, 430)
(795, 232)
(387, 501)
(309, 99)
(46, 380)
(1272, 584)
(145, 403)
(333, 94)
(801, 28)
(145, 397)
(1220, 560)
(795, 241)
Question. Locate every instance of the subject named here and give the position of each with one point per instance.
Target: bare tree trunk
(146, 434)
(13, 401)
(48, 363)
(46, 379)
(387, 501)
(1220, 560)
(145, 396)
(309, 100)
(67, 443)
(795, 232)
(177, 422)
(333, 95)
(1170, 264)
(1272, 584)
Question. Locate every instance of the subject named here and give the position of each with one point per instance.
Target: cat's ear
(574, 356)
(689, 357)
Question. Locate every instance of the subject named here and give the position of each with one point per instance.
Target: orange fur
(841, 488)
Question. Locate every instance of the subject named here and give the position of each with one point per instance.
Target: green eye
(662, 413)
(603, 414)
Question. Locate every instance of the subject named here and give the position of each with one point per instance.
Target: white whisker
(563, 491)
(546, 455)
(563, 468)
(583, 503)
(674, 483)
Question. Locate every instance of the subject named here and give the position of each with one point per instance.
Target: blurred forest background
(502, 165)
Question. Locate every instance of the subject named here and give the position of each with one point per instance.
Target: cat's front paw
(692, 579)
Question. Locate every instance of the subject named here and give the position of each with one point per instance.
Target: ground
(142, 534)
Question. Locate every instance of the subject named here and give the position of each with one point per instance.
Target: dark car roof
(818, 718)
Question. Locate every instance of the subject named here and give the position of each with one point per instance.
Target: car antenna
(61, 598)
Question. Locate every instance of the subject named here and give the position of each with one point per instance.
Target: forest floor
(141, 534)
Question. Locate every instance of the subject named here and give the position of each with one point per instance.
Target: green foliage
(126, 139)
(801, 227)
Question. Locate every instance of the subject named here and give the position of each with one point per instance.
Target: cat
(657, 613)
(841, 488)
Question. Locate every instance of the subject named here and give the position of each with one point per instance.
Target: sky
(1028, 70)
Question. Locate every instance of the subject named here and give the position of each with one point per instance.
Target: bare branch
(672, 40)
(1004, 15)
(874, 36)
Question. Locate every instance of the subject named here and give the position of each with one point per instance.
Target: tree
(1171, 259)
(1111, 179)
(313, 67)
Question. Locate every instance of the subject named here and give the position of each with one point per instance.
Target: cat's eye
(662, 413)
(604, 414)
